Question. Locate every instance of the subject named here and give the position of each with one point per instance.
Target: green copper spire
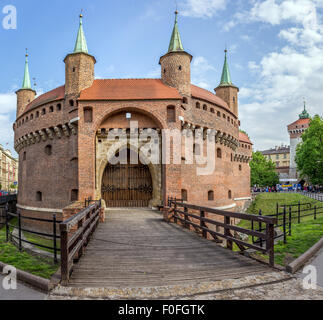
(226, 77)
(175, 41)
(304, 114)
(80, 45)
(26, 83)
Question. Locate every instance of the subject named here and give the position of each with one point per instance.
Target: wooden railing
(75, 235)
(196, 216)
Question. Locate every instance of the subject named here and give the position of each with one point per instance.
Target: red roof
(204, 94)
(244, 138)
(53, 95)
(129, 89)
(300, 122)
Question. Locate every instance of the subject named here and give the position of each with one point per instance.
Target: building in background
(295, 130)
(8, 170)
(281, 157)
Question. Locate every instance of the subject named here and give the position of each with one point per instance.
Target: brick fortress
(61, 137)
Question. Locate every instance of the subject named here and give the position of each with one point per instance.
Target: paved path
(22, 293)
(317, 262)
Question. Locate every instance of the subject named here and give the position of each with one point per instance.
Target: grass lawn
(37, 239)
(304, 235)
(10, 254)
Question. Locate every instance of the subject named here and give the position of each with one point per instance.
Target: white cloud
(201, 68)
(203, 8)
(286, 75)
(7, 102)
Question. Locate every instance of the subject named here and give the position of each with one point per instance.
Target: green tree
(309, 153)
(262, 171)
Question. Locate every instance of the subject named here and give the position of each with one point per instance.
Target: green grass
(304, 235)
(10, 254)
(37, 239)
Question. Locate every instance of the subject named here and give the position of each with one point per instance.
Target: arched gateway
(127, 185)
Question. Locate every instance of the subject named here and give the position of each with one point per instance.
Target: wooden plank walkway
(136, 248)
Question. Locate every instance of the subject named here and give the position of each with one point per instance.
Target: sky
(275, 51)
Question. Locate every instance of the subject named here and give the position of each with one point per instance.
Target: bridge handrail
(268, 236)
(75, 234)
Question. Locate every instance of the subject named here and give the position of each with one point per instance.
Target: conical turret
(176, 64)
(80, 45)
(26, 94)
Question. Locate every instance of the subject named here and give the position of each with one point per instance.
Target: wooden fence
(75, 234)
(196, 216)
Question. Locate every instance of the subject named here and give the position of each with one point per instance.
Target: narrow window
(26, 119)
(48, 150)
(74, 195)
(37, 114)
(171, 114)
(198, 106)
(43, 111)
(31, 117)
(59, 107)
(230, 194)
(71, 103)
(184, 195)
(164, 70)
(219, 153)
(39, 196)
(185, 100)
(51, 109)
(24, 156)
(212, 110)
(211, 195)
(205, 107)
(224, 116)
(180, 68)
(240, 167)
(219, 114)
(88, 114)
(74, 69)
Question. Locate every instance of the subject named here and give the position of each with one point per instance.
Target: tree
(309, 153)
(263, 171)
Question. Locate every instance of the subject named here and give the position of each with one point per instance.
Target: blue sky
(275, 51)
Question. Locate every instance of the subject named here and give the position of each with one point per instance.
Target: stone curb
(34, 281)
(300, 261)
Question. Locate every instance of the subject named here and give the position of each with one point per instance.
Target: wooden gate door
(127, 185)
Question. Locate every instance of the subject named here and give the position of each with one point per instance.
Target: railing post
(7, 222)
(187, 226)
(270, 245)
(277, 208)
(64, 255)
(284, 225)
(314, 212)
(290, 221)
(260, 227)
(19, 230)
(252, 228)
(175, 211)
(299, 212)
(227, 232)
(55, 238)
(202, 224)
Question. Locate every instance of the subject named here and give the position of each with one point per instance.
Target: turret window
(88, 114)
(59, 107)
(71, 103)
(212, 110)
(171, 114)
(219, 153)
(230, 194)
(48, 150)
(39, 196)
(180, 68)
(210, 195)
(205, 107)
(51, 109)
(37, 114)
(219, 114)
(31, 117)
(198, 106)
(185, 100)
(43, 112)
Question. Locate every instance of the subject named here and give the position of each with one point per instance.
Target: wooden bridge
(137, 248)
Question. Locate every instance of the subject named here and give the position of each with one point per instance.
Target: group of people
(305, 188)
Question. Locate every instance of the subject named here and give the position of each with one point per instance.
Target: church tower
(226, 90)
(79, 66)
(296, 130)
(176, 64)
(26, 94)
